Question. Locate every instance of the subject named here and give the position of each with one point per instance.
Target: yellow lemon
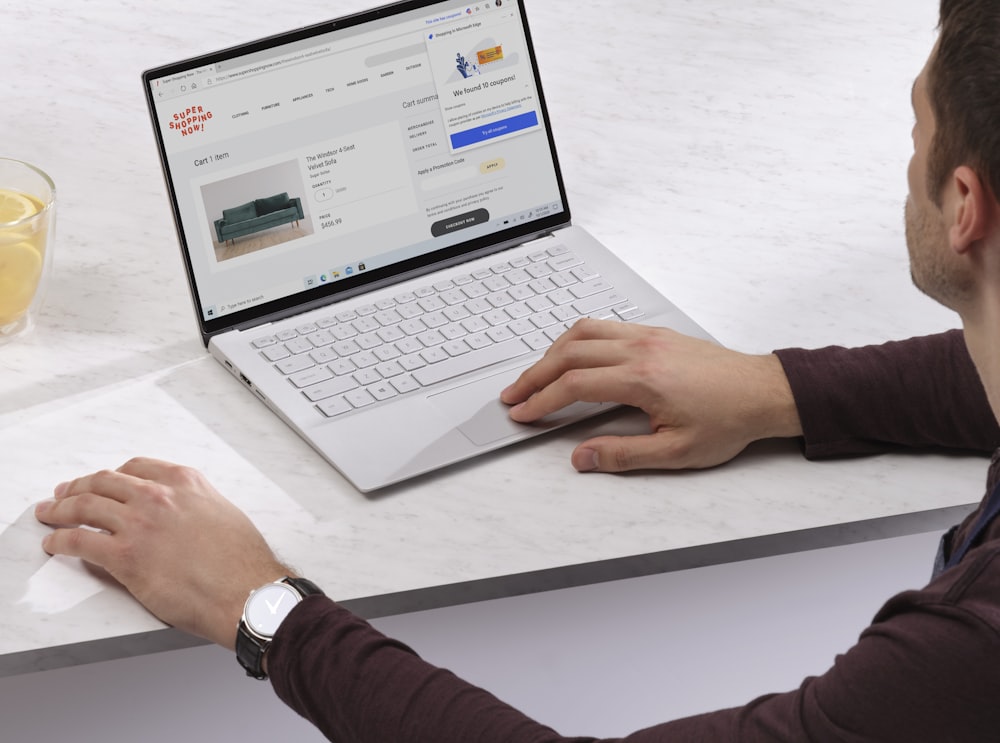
(15, 206)
(20, 269)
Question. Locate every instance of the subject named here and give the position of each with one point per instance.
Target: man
(925, 670)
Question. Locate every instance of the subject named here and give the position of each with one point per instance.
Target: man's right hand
(186, 553)
(705, 403)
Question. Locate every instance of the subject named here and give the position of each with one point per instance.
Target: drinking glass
(27, 227)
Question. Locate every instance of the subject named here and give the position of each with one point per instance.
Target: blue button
(494, 130)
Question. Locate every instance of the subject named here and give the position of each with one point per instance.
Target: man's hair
(963, 84)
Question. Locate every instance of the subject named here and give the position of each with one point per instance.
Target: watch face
(268, 606)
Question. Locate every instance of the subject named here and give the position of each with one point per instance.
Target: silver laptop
(376, 231)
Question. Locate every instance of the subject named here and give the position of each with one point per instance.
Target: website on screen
(308, 163)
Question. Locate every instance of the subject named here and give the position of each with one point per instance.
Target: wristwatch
(263, 613)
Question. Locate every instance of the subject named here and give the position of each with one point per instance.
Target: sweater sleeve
(919, 393)
(924, 670)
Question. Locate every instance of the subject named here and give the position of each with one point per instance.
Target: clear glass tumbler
(27, 230)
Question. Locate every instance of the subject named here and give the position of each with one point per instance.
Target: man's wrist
(266, 608)
(777, 415)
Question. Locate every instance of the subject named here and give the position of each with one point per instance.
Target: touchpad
(477, 412)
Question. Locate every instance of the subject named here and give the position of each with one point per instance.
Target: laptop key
(389, 369)
(629, 313)
(564, 314)
(321, 338)
(335, 406)
(311, 376)
(564, 262)
(382, 391)
(404, 384)
(590, 288)
(276, 353)
(538, 341)
(412, 362)
(299, 345)
(294, 364)
(324, 390)
(359, 398)
(456, 348)
(267, 340)
(364, 359)
(386, 353)
(597, 302)
(433, 355)
(342, 366)
(323, 355)
(367, 376)
(478, 340)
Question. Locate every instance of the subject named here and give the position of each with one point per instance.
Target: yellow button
(492, 166)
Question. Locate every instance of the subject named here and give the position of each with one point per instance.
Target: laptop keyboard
(354, 358)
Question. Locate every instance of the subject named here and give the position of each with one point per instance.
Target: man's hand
(189, 555)
(705, 403)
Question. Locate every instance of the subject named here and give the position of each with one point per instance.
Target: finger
(603, 384)
(92, 546)
(105, 483)
(577, 354)
(147, 468)
(86, 509)
(546, 369)
(158, 473)
(626, 453)
(587, 328)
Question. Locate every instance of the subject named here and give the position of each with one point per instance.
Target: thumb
(623, 453)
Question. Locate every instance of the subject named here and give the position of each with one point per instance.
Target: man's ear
(973, 210)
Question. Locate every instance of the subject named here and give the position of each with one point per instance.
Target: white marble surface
(748, 156)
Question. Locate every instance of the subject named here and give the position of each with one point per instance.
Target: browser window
(307, 163)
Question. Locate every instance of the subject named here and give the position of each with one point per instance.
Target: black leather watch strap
(250, 652)
(250, 648)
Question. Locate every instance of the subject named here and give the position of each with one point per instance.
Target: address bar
(260, 67)
(374, 38)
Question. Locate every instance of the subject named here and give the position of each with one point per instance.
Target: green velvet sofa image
(257, 215)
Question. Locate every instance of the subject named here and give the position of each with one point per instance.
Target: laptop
(376, 231)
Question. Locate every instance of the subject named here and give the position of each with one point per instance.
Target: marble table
(747, 156)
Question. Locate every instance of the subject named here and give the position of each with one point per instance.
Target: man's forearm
(921, 392)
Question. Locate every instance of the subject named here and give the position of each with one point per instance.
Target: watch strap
(250, 648)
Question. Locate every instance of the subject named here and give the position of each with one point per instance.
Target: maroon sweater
(927, 669)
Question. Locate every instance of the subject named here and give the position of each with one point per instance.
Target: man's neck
(982, 337)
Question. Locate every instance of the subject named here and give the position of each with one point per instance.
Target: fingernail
(42, 507)
(587, 459)
(60, 489)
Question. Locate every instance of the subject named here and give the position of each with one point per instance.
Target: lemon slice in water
(15, 206)
(20, 269)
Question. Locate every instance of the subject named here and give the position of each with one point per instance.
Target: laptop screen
(319, 162)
